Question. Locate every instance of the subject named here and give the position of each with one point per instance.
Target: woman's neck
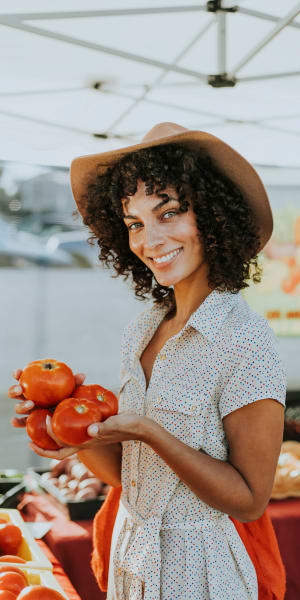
(189, 294)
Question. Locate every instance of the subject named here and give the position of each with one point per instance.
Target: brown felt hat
(225, 158)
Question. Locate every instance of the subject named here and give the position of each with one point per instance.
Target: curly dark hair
(225, 220)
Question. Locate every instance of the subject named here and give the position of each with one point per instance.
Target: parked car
(75, 243)
(16, 245)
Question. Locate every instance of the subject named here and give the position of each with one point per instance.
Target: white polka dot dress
(168, 544)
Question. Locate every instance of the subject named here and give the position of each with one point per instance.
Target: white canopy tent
(82, 76)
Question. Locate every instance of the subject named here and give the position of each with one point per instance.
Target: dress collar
(211, 314)
(207, 319)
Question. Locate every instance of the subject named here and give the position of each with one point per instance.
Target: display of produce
(17, 545)
(24, 584)
(72, 487)
(287, 476)
(50, 384)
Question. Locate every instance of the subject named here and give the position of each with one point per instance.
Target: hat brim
(224, 157)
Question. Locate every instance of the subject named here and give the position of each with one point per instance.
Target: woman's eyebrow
(156, 208)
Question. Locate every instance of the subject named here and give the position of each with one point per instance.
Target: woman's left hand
(119, 428)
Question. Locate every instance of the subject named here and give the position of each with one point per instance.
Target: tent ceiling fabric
(78, 78)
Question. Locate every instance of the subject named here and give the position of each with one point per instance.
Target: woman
(201, 404)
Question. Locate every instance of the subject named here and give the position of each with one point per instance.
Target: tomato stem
(80, 408)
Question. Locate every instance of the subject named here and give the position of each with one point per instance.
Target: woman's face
(163, 238)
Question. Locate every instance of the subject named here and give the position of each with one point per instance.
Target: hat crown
(163, 130)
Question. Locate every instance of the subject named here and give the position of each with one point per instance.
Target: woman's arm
(104, 462)
(240, 487)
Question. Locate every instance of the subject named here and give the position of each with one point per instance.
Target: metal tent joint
(216, 6)
(221, 80)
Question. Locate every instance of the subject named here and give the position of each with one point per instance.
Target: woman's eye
(131, 226)
(170, 212)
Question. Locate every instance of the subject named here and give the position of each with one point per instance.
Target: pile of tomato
(14, 586)
(51, 385)
(13, 581)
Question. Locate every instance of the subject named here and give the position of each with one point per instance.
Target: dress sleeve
(256, 370)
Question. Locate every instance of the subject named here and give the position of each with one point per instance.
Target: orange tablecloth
(71, 542)
(59, 573)
(285, 515)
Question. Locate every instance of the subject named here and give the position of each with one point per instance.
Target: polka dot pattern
(171, 544)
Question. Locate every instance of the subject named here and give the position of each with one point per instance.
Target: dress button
(193, 407)
(163, 357)
(120, 571)
(133, 483)
(136, 441)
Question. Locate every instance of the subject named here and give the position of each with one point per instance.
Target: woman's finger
(51, 432)
(17, 373)
(57, 454)
(79, 378)
(18, 422)
(95, 430)
(24, 407)
(15, 391)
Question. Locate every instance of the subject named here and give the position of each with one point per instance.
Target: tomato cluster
(51, 385)
(15, 586)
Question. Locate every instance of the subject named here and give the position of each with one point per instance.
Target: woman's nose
(153, 237)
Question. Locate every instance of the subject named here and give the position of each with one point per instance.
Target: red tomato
(72, 417)
(46, 382)
(37, 430)
(10, 538)
(108, 401)
(5, 595)
(12, 558)
(39, 592)
(10, 569)
(12, 582)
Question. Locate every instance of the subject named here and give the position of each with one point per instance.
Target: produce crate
(43, 577)
(29, 550)
(292, 417)
(75, 510)
(9, 478)
(10, 494)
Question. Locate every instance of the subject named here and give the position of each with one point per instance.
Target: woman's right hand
(24, 407)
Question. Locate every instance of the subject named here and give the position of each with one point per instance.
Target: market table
(285, 515)
(71, 542)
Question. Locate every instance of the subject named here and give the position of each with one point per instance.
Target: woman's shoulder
(251, 331)
(142, 321)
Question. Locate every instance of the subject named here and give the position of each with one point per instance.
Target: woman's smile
(164, 260)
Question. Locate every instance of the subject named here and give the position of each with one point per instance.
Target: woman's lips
(167, 261)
